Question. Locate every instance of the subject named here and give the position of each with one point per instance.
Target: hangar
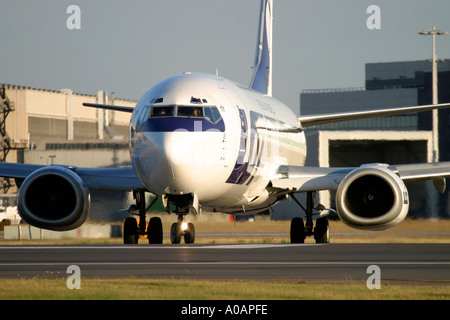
(352, 148)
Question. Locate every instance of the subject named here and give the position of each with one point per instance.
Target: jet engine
(372, 197)
(54, 198)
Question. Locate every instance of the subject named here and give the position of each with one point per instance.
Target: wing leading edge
(318, 119)
(109, 107)
(304, 179)
(114, 179)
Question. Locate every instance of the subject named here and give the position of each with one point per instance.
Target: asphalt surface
(261, 261)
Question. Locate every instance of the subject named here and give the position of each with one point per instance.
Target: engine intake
(54, 198)
(372, 197)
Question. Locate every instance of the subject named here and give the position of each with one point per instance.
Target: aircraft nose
(176, 162)
(185, 155)
(168, 161)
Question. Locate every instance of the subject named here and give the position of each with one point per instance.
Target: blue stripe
(171, 124)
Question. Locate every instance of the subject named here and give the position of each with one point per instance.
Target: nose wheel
(132, 230)
(181, 228)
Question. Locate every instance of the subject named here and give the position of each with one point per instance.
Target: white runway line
(280, 263)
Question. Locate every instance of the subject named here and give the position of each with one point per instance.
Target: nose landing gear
(154, 231)
(181, 228)
(184, 204)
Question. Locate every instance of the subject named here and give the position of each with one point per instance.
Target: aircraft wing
(17, 170)
(109, 107)
(318, 119)
(425, 171)
(116, 179)
(303, 179)
(422, 171)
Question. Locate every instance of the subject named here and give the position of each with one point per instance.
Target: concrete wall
(86, 231)
(80, 158)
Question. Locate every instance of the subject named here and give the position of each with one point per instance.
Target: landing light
(184, 226)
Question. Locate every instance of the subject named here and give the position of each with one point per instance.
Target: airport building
(394, 140)
(39, 126)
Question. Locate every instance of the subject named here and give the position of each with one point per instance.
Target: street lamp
(69, 110)
(434, 61)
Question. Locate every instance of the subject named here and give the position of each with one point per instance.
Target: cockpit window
(196, 112)
(211, 114)
(216, 114)
(163, 111)
(208, 114)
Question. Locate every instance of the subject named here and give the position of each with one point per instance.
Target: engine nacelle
(54, 198)
(372, 197)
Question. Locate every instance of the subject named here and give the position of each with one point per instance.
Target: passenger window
(216, 114)
(162, 112)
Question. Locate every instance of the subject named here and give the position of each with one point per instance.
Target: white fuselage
(227, 155)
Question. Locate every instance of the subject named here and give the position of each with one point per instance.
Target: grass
(167, 289)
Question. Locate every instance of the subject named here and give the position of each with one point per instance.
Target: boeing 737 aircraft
(202, 142)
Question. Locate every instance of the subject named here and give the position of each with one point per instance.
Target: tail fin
(262, 73)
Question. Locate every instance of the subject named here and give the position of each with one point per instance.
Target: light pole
(69, 110)
(434, 61)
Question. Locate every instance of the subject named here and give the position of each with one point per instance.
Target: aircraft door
(239, 174)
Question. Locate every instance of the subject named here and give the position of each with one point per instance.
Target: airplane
(202, 142)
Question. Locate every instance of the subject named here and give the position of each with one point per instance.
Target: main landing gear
(300, 230)
(154, 231)
(131, 229)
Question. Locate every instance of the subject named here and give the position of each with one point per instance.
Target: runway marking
(307, 263)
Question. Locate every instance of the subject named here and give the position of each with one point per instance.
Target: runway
(250, 261)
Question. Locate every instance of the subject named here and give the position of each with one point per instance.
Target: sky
(129, 46)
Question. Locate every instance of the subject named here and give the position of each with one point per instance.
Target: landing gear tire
(322, 231)
(189, 235)
(297, 230)
(155, 231)
(175, 233)
(130, 231)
